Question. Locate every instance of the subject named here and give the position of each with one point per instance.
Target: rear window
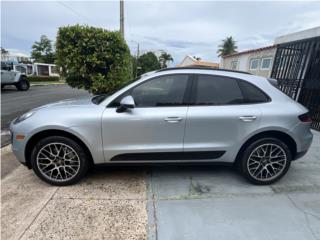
(251, 93)
(216, 90)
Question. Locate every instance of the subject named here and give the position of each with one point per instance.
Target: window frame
(234, 62)
(264, 58)
(186, 95)
(250, 64)
(194, 85)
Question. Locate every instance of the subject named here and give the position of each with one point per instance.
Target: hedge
(93, 58)
(42, 78)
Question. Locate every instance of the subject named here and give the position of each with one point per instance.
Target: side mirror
(126, 103)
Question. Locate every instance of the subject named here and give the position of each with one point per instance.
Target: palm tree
(164, 58)
(227, 47)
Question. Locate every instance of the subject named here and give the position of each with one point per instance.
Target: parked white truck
(11, 77)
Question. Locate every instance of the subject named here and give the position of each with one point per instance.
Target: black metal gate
(297, 69)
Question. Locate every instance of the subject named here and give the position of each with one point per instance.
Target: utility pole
(137, 65)
(122, 18)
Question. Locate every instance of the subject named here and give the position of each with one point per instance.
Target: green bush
(42, 78)
(93, 58)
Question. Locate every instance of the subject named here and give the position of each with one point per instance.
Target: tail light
(305, 118)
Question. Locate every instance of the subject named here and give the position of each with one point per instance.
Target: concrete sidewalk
(210, 202)
(108, 204)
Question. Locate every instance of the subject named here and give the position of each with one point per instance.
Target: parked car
(11, 77)
(177, 115)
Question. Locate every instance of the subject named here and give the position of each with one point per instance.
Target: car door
(219, 118)
(155, 125)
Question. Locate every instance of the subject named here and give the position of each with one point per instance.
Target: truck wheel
(23, 84)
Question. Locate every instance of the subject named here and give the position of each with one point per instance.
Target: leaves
(42, 51)
(227, 47)
(93, 58)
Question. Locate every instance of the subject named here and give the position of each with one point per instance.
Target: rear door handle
(173, 119)
(248, 118)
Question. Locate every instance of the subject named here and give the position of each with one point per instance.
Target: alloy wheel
(58, 162)
(266, 162)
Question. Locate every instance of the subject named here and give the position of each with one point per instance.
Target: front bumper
(18, 146)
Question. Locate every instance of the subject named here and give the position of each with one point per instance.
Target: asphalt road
(15, 103)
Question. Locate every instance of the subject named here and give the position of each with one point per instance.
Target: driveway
(204, 202)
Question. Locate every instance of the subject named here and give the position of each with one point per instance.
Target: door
(155, 125)
(222, 114)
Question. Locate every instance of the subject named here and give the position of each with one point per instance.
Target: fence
(297, 69)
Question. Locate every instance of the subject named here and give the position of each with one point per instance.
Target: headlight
(23, 117)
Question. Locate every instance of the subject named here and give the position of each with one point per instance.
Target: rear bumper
(303, 138)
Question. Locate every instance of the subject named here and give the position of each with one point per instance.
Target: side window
(215, 90)
(161, 91)
(251, 93)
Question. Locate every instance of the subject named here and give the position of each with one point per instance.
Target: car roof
(201, 68)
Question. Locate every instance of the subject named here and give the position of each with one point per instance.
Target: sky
(181, 28)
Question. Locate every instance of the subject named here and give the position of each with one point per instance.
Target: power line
(72, 10)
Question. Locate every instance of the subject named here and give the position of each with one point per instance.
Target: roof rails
(202, 68)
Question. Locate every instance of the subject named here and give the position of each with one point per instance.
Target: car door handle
(248, 118)
(173, 119)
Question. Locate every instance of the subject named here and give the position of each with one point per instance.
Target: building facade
(256, 61)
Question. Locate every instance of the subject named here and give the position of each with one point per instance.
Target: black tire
(284, 165)
(83, 161)
(2, 86)
(23, 84)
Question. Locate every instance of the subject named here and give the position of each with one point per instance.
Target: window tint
(215, 90)
(162, 91)
(251, 93)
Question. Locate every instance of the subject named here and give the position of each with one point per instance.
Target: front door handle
(173, 119)
(248, 118)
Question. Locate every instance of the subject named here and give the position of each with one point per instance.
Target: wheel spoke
(58, 162)
(266, 162)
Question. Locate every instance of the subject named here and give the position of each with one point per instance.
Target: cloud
(180, 27)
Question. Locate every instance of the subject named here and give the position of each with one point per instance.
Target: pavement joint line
(306, 216)
(152, 227)
(43, 207)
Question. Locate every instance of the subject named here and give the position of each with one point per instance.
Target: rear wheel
(265, 161)
(23, 84)
(59, 160)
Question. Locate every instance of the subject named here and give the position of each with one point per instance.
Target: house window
(254, 63)
(266, 63)
(234, 65)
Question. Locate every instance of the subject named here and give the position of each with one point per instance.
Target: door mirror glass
(126, 103)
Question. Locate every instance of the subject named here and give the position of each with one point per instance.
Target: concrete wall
(309, 33)
(244, 61)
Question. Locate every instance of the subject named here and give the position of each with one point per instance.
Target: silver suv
(175, 115)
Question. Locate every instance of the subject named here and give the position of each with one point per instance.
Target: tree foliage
(42, 51)
(93, 58)
(147, 62)
(227, 47)
(164, 59)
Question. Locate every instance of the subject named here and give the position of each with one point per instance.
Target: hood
(72, 102)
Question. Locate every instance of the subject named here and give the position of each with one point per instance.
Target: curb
(6, 149)
(45, 84)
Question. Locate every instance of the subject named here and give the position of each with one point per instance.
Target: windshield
(100, 98)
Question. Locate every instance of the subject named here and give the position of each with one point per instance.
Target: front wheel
(265, 161)
(23, 84)
(59, 160)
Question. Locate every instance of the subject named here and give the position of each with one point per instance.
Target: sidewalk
(108, 204)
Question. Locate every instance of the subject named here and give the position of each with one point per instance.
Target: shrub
(93, 58)
(42, 78)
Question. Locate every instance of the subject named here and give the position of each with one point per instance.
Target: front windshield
(100, 98)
